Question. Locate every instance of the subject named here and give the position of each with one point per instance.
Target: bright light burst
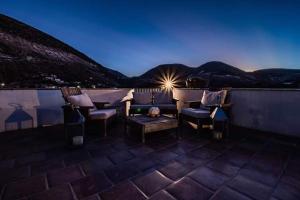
(168, 80)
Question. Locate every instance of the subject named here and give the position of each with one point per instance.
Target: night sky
(134, 36)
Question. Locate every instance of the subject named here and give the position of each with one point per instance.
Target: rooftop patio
(259, 160)
(35, 164)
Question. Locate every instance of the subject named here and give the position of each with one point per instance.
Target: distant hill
(216, 73)
(219, 74)
(31, 58)
(278, 77)
(154, 75)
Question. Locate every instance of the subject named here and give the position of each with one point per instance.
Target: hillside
(31, 58)
(215, 73)
(278, 77)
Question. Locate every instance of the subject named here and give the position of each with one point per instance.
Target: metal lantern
(220, 120)
(74, 128)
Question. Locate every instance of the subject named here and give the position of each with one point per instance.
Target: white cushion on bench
(144, 106)
(102, 114)
(196, 112)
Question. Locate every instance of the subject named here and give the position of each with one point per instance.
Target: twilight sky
(132, 36)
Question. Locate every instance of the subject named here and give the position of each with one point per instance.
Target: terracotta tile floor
(36, 164)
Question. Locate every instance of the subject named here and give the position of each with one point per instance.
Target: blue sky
(132, 36)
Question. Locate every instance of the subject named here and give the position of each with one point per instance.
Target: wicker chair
(93, 114)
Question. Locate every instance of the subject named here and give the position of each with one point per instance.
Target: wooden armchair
(92, 111)
(142, 101)
(200, 114)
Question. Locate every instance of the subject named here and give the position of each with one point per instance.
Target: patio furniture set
(149, 112)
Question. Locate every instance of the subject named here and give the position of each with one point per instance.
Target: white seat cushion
(102, 114)
(196, 112)
(82, 100)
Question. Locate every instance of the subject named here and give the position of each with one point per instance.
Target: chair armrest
(100, 105)
(85, 111)
(174, 101)
(226, 105)
(126, 100)
(188, 102)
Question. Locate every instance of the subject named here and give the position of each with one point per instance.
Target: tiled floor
(35, 164)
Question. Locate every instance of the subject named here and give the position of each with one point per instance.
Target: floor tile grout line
(47, 182)
(238, 173)
(72, 191)
(138, 189)
(3, 192)
(281, 174)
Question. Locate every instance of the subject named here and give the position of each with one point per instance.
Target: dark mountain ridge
(32, 58)
(219, 74)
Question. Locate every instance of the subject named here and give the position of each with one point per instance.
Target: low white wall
(273, 110)
(21, 109)
(276, 111)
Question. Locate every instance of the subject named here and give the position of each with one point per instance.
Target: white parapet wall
(20, 109)
(271, 110)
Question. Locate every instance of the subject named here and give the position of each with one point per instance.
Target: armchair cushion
(167, 106)
(141, 106)
(213, 98)
(102, 114)
(82, 100)
(196, 112)
(141, 98)
(162, 97)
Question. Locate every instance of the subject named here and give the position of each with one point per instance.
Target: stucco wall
(276, 111)
(31, 108)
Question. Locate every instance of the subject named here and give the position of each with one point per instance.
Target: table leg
(143, 134)
(125, 127)
(177, 133)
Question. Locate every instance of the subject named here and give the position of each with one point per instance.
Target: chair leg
(105, 127)
(199, 126)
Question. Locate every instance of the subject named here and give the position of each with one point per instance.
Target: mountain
(154, 76)
(278, 77)
(218, 74)
(32, 58)
(215, 74)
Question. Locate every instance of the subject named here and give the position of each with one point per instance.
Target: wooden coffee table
(151, 124)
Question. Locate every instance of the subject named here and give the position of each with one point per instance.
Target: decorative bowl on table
(153, 112)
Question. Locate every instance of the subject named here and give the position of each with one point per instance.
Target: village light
(168, 80)
(168, 84)
(2, 84)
